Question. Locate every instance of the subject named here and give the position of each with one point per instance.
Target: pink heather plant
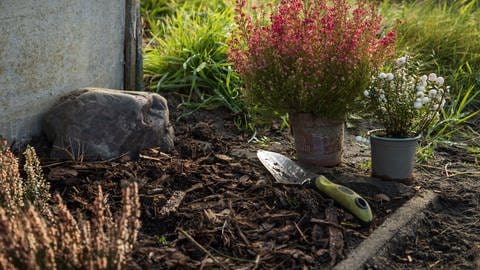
(312, 56)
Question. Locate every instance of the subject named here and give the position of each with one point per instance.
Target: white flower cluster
(402, 60)
(403, 102)
(432, 83)
(381, 76)
(430, 88)
(386, 76)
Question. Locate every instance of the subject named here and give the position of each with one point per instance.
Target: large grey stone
(95, 123)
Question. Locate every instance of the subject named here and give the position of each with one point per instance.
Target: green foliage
(155, 11)
(364, 165)
(161, 240)
(263, 141)
(188, 56)
(454, 118)
(474, 150)
(445, 35)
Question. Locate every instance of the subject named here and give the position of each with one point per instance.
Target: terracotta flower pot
(318, 141)
(393, 158)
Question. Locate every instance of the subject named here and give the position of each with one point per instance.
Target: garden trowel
(285, 171)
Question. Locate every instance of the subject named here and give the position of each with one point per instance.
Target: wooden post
(133, 69)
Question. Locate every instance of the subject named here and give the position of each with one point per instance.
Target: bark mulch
(211, 204)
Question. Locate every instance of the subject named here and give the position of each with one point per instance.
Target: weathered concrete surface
(51, 47)
(398, 224)
(95, 123)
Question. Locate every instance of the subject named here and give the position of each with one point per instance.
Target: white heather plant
(404, 103)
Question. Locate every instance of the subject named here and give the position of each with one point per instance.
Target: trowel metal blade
(283, 169)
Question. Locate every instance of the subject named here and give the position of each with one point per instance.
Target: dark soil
(211, 204)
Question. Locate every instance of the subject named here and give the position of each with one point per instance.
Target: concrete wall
(51, 47)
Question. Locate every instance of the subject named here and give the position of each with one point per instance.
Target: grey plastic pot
(393, 158)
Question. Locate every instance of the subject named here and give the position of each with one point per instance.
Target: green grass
(445, 35)
(154, 12)
(454, 127)
(187, 54)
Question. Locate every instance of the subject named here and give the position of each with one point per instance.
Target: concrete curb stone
(401, 223)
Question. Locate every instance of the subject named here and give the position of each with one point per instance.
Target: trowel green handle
(346, 197)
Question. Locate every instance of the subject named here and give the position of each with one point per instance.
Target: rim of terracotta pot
(312, 115)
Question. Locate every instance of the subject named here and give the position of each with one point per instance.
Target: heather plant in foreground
(30, 241)
(11, 188)
(36, 189)
(37, 235)
(16, 192)
(308, 56)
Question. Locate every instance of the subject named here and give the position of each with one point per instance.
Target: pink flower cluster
(315, 42)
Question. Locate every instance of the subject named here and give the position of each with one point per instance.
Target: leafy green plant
(161, 239)
(445, 35)
(263, 141)
(364, 165)
(454, 117)
(154, 12)
(189, 57)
